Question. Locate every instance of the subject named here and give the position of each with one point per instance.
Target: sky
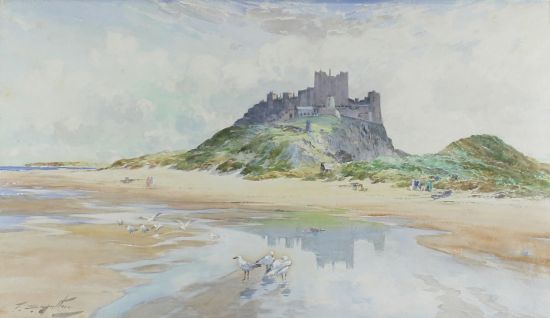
(103, 80)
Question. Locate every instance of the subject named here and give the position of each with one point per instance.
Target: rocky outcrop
(356, 139)
(272, 110)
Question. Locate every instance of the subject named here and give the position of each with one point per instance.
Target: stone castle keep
(328, 96)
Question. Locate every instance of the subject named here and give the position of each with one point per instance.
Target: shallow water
(34, 193)
(352, 269)
(25, 168)
(11, 222)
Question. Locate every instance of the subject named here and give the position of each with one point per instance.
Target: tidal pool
(36, 193)
(351, 269)
(11, 222)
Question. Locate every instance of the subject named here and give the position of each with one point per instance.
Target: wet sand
(68, 264)
(204, 303)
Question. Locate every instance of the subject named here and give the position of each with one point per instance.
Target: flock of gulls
(146, 226)
(273, 266)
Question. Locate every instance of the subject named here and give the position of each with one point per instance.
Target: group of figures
(273, 266)
(417, 185)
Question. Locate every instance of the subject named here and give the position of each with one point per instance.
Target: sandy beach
(62, 261)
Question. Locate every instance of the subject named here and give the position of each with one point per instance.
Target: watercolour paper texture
(190, 158)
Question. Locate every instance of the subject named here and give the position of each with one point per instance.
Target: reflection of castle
(331, 246)
(328, 96)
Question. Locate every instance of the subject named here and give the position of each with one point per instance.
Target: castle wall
(274, 109)
(285, 107)
(367, 109)
(306, 97)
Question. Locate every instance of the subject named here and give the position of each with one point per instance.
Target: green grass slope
(490, 150)
(257, 151)
(481, 162)
(263, 151)
(161, 159)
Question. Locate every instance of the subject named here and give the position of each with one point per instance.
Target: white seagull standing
(131, 229)
(267, 261)
(143, 228)
(245, 266)
(280, 267)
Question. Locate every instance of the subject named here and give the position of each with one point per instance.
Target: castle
(328, 96)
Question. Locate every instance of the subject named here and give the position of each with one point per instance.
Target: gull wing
(261, 260)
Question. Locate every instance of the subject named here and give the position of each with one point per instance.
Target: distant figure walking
(149, 182)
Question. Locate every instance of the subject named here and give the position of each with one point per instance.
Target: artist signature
(61, 308)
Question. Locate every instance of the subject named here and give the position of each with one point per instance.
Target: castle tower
(270, 97)
(374, 102)
(328, 85)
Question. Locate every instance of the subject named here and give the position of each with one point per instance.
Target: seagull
(183, 226)
(267, 261)
(131, 229)
(157, 226)
(120, 222)
(143, 228)
(214, 236)
(314, 230)
(154, 217)
(151, 218)
(280, 267)
(245, 266)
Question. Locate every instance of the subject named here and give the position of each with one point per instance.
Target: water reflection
(248, 293)
(387, 274)
(331, 246)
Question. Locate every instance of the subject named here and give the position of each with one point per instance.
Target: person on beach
(149, 182)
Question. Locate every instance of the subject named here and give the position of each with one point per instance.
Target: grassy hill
(160, 159)
(257, 151)
(481, 162)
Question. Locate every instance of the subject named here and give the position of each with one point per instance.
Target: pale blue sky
(101, 80)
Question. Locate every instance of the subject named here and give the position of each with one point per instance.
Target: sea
(25, 168)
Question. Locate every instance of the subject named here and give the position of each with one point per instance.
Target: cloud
(167, 74)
